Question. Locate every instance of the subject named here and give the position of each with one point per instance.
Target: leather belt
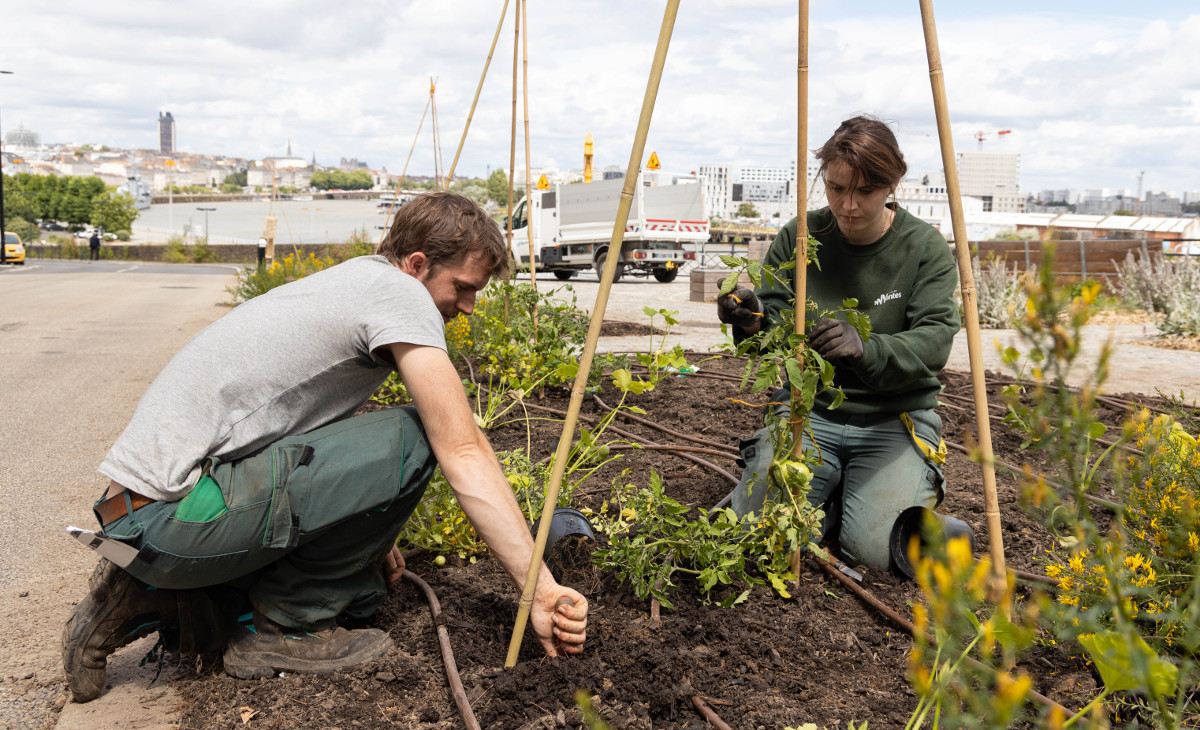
(113, 508)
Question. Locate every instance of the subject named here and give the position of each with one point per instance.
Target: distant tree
(18, 202)
(20, 226)
(497, 186)
(236, 178)
(113, 211)
(476, 190)
(338, 180)
(228, 187)
(1122, 211)
(747, 210)
(1190, 207)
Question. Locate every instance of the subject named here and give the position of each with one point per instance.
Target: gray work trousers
(872, 471)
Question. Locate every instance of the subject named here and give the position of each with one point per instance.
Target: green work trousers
(871, 471)
(303, 526)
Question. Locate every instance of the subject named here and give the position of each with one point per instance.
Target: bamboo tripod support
(471, 114)
(437, 139)
(801, 222)
(589, 348)
(528, 180)
(512, 155)
(400, 184)
(967, 281)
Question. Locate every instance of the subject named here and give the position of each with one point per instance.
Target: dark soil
(822, 657)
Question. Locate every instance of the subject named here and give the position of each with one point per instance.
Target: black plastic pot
(930, 528)
(569, 543)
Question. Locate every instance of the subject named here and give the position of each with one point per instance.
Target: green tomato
(795, 475)
(439, 561)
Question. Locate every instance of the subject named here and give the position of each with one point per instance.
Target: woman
(901, 271)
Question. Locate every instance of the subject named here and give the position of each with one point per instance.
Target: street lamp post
(206, 212)
(3, 248)
(170, 208)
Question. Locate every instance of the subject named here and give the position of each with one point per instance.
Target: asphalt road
(79, 343)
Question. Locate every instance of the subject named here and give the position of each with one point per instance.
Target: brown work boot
(269, 648)
(118, 610)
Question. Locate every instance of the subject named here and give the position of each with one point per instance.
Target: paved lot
(79, 343)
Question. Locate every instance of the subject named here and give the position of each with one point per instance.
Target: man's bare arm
(470, 466)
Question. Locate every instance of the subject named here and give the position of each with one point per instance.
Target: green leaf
(1011, 355)
(1114, 654)
(729, 283)
(779, 585)
(731, 601)
(566, 370)
(622, 379)
(649, 311)
(850, 303)
(794, 372)
(733, 262)
(635, 409)
(1096, 430)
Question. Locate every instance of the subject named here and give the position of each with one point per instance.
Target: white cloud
(1092, 97)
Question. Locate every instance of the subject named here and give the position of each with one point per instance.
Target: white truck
(572, 226)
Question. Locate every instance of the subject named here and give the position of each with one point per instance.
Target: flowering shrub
(253, 281)
(509, 349)
(962, 692)
(1127, 589)
(999, 292)
(1168, 286)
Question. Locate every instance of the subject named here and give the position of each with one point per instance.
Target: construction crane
(981, 136)
(587, 158)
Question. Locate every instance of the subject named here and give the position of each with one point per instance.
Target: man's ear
(414, 264)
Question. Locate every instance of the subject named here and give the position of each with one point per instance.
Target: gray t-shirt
(296, 358)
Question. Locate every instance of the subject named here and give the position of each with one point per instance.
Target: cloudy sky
(1094, 92)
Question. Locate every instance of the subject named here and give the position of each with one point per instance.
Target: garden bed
(821, 657)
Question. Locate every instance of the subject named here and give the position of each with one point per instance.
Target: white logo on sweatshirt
(893, 294)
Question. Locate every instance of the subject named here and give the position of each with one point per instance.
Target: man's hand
(836, 341)
(559, 618)
(741, 308)
(393, 566)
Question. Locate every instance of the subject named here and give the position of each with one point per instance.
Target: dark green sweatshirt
(904, 282)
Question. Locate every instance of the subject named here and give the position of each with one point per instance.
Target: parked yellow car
(14, 252)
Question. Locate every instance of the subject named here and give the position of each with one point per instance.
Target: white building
(716, 180)
(993, 177)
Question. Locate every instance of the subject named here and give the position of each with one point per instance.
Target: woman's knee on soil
(867, 522)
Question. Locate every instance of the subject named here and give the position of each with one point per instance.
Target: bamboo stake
(589, 349)
(528, 186)
(801, 226)
(400, 184)
(512, 157)
(437, 144)
(967, 282)
(471, 114)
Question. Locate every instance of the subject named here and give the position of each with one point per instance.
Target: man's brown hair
(447, 228)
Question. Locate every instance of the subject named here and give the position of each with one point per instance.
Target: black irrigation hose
(1000, 419)
(708, 713)
(1107, 503)
(456, 687)
(637, 439)
(646, 422)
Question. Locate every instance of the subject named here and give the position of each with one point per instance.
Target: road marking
(121, 271)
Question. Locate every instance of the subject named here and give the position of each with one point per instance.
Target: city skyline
(1092, 98)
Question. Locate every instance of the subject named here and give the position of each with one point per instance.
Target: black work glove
(836, 341)
(740, 308)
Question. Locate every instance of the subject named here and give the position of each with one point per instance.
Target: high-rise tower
(166, 133)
